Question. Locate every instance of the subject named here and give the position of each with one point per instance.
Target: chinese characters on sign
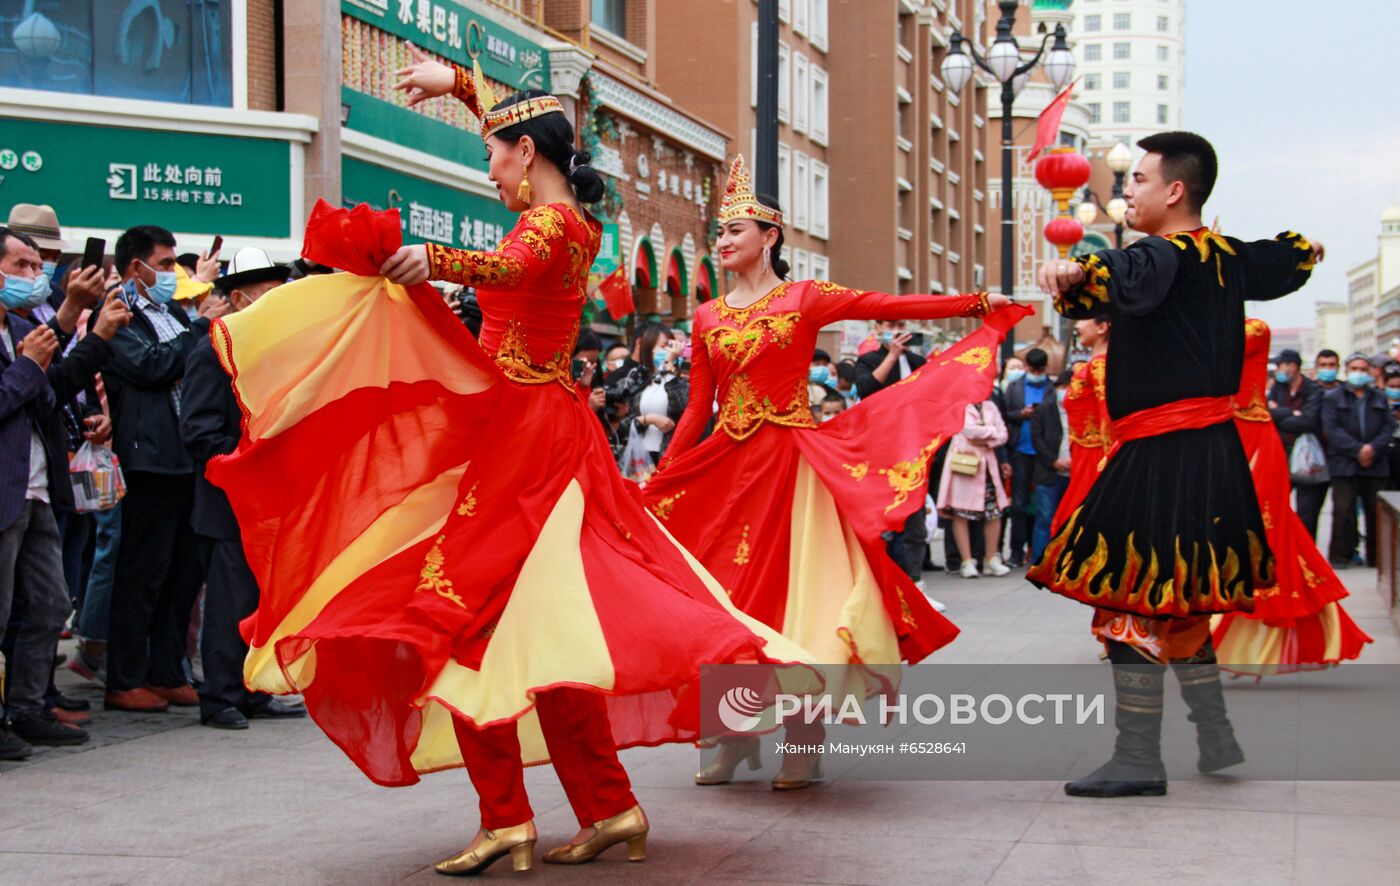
(431, 19)
(427, 223)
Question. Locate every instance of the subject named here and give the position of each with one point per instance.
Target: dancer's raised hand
(407, 266)
(425, 78)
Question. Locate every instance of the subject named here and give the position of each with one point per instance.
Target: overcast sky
(1302, 102)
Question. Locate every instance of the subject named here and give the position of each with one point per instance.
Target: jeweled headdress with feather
(481, 100)
(740, 201)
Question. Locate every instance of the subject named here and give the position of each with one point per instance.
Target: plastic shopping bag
(97, 478)
(1308, 463)
(636, 461)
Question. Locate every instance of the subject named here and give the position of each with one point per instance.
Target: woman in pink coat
(976, 497)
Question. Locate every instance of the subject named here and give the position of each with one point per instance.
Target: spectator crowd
(111, 403)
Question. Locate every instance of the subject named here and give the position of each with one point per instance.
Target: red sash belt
(1182, 415)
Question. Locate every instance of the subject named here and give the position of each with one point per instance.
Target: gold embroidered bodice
(531, 290)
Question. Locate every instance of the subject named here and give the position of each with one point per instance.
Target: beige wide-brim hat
(39, 222)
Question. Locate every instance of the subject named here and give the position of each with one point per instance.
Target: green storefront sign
(609, 250)
(455, 33)
(116, 177)
(444, 29)
(427, 210)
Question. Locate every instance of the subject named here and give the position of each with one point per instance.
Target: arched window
(644, 265)
(706, 282)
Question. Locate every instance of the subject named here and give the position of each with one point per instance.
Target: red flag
(1047, 131)
(617, 294)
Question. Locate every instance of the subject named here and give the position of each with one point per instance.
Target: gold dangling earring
(524, 192)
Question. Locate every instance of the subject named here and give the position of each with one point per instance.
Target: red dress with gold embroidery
(1298, 623)
(437, 525)
(1086, 407)
(786, 514)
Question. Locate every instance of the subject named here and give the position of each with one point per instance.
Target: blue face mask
(1015, 375)
(886, 338)
(1327, 375)
(50, 268)
(820, 374)
(1282, 377)
(1359, 379)
(164, 288)
(1393, 395)
(24, 292)
(1061, 393)
(658, 360)
(850, 394)
(1035, 378)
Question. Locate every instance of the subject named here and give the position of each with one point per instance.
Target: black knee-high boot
(1136, 769)
(1199, 677)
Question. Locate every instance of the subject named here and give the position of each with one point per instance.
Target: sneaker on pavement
(12, 747)
(44, 728)
(937, 605)
(994, 567)
(138, 700)
(969, 569)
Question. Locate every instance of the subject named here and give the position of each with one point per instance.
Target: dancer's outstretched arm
(828, 302)
(1135, 279)
(1279, 266)
(526, 252)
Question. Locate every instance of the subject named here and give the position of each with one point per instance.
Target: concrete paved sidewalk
(158, 799)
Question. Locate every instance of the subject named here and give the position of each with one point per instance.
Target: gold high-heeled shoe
(517, 841)
(630, 827)
(798, 772)
(731, 754)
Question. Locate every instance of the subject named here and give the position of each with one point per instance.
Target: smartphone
(916, 340)
(93, 252)
(217, 245)
(577, 369)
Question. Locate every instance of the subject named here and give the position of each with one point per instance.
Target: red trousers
(577, 733)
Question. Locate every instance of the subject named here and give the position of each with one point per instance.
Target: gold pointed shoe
(517, 841)
(798, 772)
(730, 755)
(628, 827)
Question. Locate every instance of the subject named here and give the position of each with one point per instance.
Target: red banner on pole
(1047, 131)
(617, 294)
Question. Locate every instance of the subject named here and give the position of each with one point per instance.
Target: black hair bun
(588, 184)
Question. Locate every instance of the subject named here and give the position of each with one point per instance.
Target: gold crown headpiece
(494, 120)
(739, 200)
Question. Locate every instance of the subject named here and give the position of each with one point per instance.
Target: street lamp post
(1004, 62)
(1120, 160)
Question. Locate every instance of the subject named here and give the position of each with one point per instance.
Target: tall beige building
(909, 158)
(707, 60)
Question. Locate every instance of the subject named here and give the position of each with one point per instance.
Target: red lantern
(1064, 232)
(1062, 172)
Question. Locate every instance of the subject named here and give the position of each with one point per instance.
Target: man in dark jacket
(158, 571)
(210, 425)
(1357, 420)
(1050, 437)
(1295, 402)
(32, 475)
(1022, 397)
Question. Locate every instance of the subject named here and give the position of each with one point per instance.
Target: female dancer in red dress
(1297, 624)
(788, 515)
(1086, 407)
(453, 571)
